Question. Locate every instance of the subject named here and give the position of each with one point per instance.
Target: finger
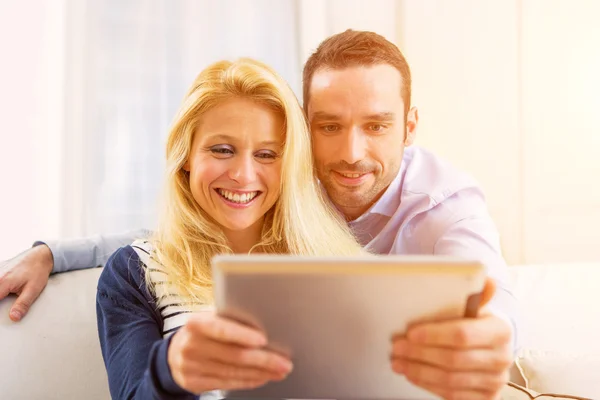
(492, 360)
(4, 289)
(428, 376)
(462, 394)
(227, 331)
(26, 298)
(199, 384)
(225, 371)
(238, 385)
(4, 268)
(488, 292)
(250, 358)
(486, 331)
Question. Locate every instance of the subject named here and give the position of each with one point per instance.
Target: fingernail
(285, 367)
(416, 335)
(258, 339)
(399, 366)
(400, 348)
(16, 315)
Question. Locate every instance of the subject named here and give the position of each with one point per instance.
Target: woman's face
(235, 163)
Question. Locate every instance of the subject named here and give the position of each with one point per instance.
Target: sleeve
(129, 327)
(470, 232)
(89, 252)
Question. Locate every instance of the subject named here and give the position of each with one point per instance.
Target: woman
(239, 180)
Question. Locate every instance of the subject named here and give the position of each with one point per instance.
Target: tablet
(335, 317)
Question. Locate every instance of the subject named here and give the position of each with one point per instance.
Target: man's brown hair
(352, 49)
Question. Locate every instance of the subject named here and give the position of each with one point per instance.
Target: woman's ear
(186, 166)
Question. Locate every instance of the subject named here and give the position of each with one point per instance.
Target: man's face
(356, 117)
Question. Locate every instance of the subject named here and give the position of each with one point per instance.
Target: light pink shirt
(433, 208)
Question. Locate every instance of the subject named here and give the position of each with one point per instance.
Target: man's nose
(353, 147)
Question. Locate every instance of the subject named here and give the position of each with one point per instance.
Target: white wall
(560, 55)
(29, 134)
(319, 19)
(510, 91)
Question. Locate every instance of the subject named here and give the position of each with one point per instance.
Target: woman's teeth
(236, 197)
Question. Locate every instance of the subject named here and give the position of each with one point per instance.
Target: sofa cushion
(559, 346)
(54, 352)
(553, 371)
(558, 302)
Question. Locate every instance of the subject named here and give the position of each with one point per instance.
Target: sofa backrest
(54, 352)
(560, 327)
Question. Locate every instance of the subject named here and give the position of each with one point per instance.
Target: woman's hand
(214, 353)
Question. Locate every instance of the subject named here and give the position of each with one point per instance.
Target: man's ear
(412, 121)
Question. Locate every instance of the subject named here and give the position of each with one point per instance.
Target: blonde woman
(239, 180)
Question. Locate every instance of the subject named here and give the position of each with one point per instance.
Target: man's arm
(26, 275)
(476, 238)
(90, 252)
(466, 357)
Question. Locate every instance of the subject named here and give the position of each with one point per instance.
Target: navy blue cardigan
(130, 329)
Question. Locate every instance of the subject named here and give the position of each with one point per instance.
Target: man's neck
(353, 213)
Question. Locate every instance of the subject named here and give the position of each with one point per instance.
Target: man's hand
(210, 352)
(26, 275)
(458, 359)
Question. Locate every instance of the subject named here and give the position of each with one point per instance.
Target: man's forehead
(369, 76)
(356, 91)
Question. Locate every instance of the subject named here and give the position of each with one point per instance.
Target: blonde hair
(300, 222)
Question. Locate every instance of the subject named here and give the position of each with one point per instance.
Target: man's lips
(350, 178)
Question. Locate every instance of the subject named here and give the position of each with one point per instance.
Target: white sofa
(54, 352)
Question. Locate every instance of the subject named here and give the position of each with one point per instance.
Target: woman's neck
(241, 242)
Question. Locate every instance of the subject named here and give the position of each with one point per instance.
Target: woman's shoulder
(124, 268)
(122, 285)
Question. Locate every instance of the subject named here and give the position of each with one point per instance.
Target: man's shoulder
(427, 174)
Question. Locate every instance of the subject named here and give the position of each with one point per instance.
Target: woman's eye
(267, 155)
(221, 150)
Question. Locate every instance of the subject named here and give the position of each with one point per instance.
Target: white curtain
(89, 89)
(138, 58)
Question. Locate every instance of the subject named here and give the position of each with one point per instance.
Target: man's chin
(346, 200)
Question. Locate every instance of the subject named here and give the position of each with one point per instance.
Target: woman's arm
(130, 330)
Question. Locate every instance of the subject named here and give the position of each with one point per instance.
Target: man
(397, 198)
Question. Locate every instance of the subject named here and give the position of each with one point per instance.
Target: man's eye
(330, 128)
(377, 127)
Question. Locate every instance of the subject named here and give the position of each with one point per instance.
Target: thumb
(23, 303)
(488, 292)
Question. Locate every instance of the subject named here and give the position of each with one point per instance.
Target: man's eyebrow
(382, 116)
(322, 115)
